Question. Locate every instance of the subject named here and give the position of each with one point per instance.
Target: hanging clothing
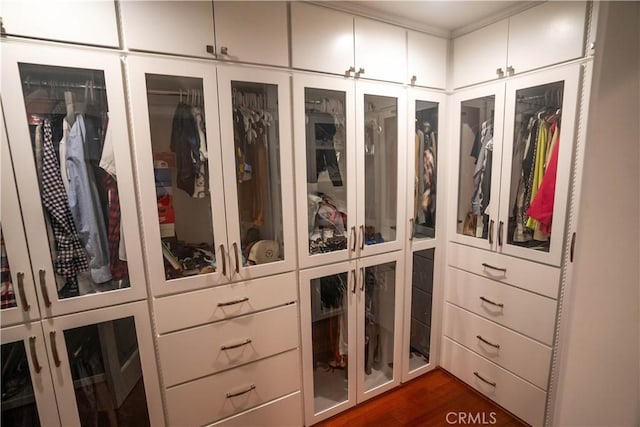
(7, 297)
(482, 171)
(84, 204)
(201, 185)
(62, 152)
(541, 208)
(538, 166)
(118, 267)
(321, 151)
(185, 143)
(70, 257)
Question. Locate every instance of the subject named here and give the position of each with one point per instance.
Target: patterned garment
(118, 267)
(70, 258)
(7, 297)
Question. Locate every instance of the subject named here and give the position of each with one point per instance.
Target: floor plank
(431, 400)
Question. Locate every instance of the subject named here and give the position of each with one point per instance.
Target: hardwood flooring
(434, 399)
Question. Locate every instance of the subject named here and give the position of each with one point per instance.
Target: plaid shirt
(70, 258)
(7, 297)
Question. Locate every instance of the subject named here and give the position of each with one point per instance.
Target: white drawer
(512, 393)
(222, 302)
(204, 350)
(522, 356)
(530, 314)
(219, 396)
(283, 412)
(528, 275)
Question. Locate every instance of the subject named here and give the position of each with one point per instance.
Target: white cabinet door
(480, 55)
(539, 135)
(178, 27)
(321, 39)
(103, 366)
(175, 120)
(547, 34)
(91, 22)
(426, 60)
(252, 31)
(255, 127)
(381, 159)
(88, 199)
(27, 391)
(381, 50)
(19, 301)
(325, 158)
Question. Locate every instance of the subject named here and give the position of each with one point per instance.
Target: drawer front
(514, 394)
(518, 354)
(222, 302)
(219, 396)
(530, 314)
(283, 412)
(528, 275)
(201, 351)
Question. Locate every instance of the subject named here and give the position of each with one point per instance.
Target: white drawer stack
(498, 327)
(231, 355)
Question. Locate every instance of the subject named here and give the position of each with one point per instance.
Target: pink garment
(541, 208)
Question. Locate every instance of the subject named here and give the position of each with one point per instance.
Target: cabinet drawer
(197, 352)
(530, 314)
(514, 394)
(283, 412)
(528, 275)
(520, 355)
(212, 398)
(222, 302)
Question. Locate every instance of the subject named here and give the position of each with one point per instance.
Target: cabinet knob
(350, 71)
(224, 50)
(360, 71)
(510, 70)
(210, 49)
(413, 80)
(499, 72)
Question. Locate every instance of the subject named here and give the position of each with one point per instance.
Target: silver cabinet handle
(497, 304)
(353, 238)
(240, 393)
(234, 302)
(572, 251)
(510, 70)
(353, 281)
(350, 71)
(413, 80)
(487, 342)
(499, 72)
(500, 227)
(34, 355)
(359, 72)
(235, 251)
(485, 265)
(491, 224)
(361, 279)
(43, 287)
(23, 296)
(491, 383)
(361, 237)
(54, 348)
(224, 260)
(411, 229)
(232, 346)
(224, 50)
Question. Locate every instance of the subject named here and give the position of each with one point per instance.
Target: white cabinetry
(547, 34)
(380, 50)
(426, 60)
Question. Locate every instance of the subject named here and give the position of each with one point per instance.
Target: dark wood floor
(431, 400)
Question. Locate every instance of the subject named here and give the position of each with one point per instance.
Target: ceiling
(442, 17)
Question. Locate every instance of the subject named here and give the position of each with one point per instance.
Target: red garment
(541, 208)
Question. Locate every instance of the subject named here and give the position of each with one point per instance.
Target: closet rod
(60, 85)
(170, 92)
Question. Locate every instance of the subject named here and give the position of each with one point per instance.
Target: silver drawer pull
(234, 302)
(491, 383)
(240, 393)
(54, 349)
(497, 304)
(23, 297)
(485, 265)
(229, 347)
(43, 287)
(34, 355)
(487, 342)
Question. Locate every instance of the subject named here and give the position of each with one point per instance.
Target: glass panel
(109, 387)
(7, 297)
(179, 146)
(18, 400)
(68, 117)
(380, 163)
(535, 160)
(257, 148)
(326, 170)
(329, 316)
(424, 192)
(476, 158)
(421, 300)
(379, 314)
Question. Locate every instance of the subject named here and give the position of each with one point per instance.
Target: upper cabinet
(426, 60)
(543, 35)
(252, 31)
(380, 50)
(90, 22)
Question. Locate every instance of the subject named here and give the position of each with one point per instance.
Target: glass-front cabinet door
(66, 123)
(539, 134)
(324, 135)
(103, 367)
(27, 392)
(381, 159)
(176, 133)
(477, 154)
(255, 129)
